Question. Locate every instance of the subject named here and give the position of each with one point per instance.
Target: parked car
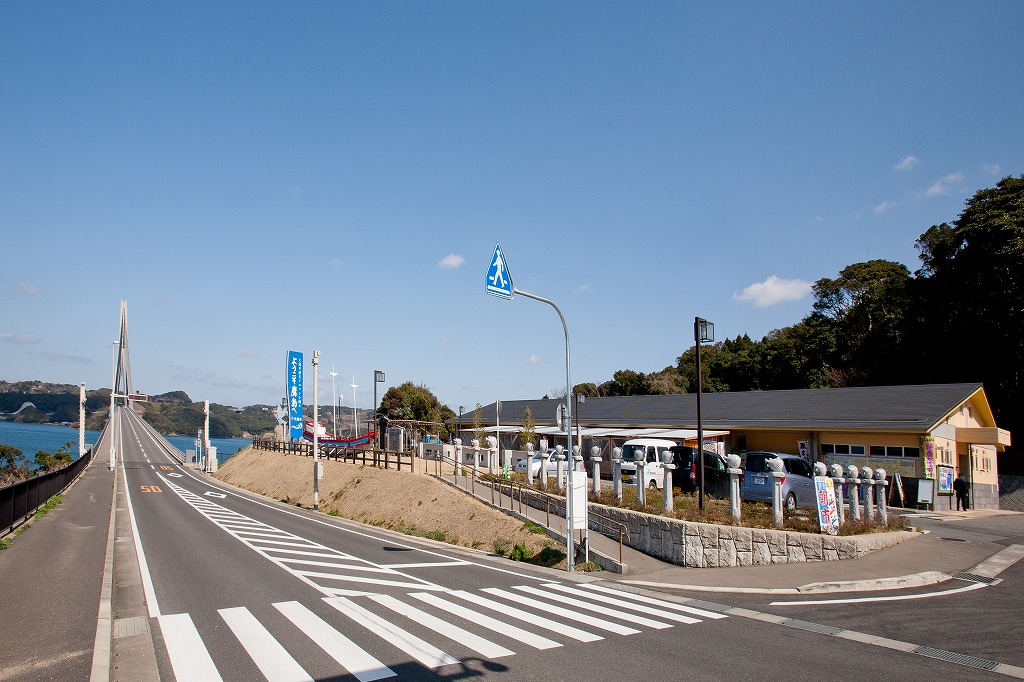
(684, 476)
(535, 461)
(797, 480)
(647, 451)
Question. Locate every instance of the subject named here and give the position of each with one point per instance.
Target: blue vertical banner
(294, 388)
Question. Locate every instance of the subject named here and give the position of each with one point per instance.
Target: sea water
(31, 438)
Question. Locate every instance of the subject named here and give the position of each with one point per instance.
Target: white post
(595, 459)
(113, 383)
(316, 430)
(206, 433)
(81, 419)
(617, 473)
(355, 420)
(334, 395)
(735, 472)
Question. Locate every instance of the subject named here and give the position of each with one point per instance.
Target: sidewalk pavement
(946, 542)
(50, 579)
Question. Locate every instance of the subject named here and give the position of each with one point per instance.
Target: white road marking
(604, 611)
(339, 647)
(574, 616)
(624, 604)
(482, 646)
(532, 618)
(189, 657)
(425, 653)
(270, 657)
(525, 636)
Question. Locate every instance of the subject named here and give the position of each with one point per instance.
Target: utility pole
(316, 430)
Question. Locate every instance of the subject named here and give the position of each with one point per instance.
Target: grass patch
(5, 543)
(534, 528)
(333, 512)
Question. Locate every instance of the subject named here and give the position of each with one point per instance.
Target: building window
(842, 449)
(894, 451)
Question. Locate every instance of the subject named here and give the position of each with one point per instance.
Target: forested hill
(171, 413)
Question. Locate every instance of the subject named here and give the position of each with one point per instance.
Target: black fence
(20, 500)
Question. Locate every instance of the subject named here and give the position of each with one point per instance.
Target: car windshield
(631, 453)
(758, 462)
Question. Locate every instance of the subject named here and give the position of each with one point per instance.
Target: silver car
(797, 480)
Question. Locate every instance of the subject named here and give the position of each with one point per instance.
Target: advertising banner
(294, 393)
(928, 448)
(828, 511)
(945, 479)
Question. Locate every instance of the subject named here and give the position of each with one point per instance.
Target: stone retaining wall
(703, 545)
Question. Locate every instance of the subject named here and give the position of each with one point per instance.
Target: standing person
(960, 488)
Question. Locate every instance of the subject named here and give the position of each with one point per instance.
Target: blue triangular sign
(498, 281)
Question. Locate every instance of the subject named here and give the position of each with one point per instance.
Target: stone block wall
(703, 545)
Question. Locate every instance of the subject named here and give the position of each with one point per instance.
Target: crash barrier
(19, 501)
(520, 496)
(382, 459)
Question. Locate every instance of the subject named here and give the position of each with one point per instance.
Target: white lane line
(270, 657)
(657, 602)
(484, 647)
(189, 657)
(334, 564)
(361, 579)
(519, 634)
(425, 653)
(431, 564)
(588, 606)
(299, 552)
(147, 580)
(531, 618)
(623, 604)
(895, 597)
(339, 647)
(573, 616)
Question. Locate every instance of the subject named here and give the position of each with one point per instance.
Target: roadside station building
(924, 433)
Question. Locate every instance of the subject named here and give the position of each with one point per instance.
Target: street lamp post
(378, 378)
(316, 431)
(459, 427)
(355, 421)
(334, 395)
(703, 332)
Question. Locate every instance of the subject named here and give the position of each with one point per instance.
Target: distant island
(174, 413)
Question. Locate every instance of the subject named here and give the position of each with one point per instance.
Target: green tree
(528, 431)
(13, 464)
(478, 425)
(416, 403)
(48, 462)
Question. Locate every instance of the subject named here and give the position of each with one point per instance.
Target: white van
(648, 451)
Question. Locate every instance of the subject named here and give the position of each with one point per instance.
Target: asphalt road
(242, 588)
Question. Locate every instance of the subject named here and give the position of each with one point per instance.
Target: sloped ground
(399, 500)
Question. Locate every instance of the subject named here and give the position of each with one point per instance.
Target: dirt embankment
(399, 500)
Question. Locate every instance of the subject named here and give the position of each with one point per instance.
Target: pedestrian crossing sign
(498, 281)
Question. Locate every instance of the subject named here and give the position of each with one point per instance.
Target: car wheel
(791, 502)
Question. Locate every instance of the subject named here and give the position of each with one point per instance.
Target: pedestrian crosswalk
(368, 636)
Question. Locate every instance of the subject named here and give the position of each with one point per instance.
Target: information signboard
(828, 511)
(294, 393)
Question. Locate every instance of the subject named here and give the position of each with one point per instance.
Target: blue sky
(259, 177)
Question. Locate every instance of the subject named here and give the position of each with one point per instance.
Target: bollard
(559, 467)
(529, 463)
(458, 456)
(543, 470)
(595, 459)
(867, 477)
(476, 456)
(777, 470)
(640, 465)
(853, 479)
(617, 473)
(667, 466)
(880, 491)
(733, 464)
(838, 480)
(492, 454)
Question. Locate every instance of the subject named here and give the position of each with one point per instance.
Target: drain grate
(962, 659)
(953, 539)
(975, 578)
(812, 627)
(708, 605)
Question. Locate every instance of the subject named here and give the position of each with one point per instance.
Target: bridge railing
(383, 459)
(19, 501)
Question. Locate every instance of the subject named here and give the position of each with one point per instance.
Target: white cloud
(28, 288)
(295, 191)
(249, 353)
(335, 262)
(944, 185)
(906, 163)
(533, 360)
(451, 262)
(773, 291)
(884, 206)
(582, 289)
(991, 168)
(16, 338)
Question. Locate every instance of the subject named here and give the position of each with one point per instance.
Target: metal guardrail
(532, 498)
(382, 459)
(19, 501)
